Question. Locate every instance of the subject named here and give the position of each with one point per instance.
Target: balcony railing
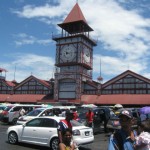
(2, 77)
(57, 36)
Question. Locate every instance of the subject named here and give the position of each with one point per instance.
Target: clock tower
(74, 56)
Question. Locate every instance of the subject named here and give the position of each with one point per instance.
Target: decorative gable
(127, 83)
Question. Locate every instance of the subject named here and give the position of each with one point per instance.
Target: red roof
(21, 98)
(1, 70)
(75, 15)
(134, 99)
(44, 82)
(10, 83)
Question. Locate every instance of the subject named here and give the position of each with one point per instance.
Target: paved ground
(100, 142)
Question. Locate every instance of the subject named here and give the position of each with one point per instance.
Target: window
(15, 109)
(49, 123)
(34, 123)
(108, 87)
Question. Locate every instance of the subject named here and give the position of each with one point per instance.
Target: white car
(31, 115)
(38, 112)
(43, 131)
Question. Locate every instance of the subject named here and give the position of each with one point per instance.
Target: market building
(73, 81)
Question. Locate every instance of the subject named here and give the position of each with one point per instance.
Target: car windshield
(8, 108)
(35, 112)
(75, 123)
(2, 107)
(82, 116)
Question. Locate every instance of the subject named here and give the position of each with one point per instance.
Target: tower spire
(100, 79)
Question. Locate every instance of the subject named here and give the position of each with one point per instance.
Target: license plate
(87, 133)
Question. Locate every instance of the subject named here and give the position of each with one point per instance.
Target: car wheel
(14, 121)
(12, 138)
(54, 144)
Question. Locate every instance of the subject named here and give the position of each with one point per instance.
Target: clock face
(67, 53)
(86, 55)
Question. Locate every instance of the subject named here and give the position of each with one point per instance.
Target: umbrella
(89, 105)
(145, 110)
(118, 106)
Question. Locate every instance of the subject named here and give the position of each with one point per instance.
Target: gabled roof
(91, 83)
(10, 83)
(124, 74)
(3, 70)
(43, 82)
(75, 15)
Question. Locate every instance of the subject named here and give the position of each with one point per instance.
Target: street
(100, 142)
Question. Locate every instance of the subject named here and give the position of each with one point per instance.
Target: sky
(121, 27)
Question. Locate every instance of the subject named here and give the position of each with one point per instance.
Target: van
(12, 112)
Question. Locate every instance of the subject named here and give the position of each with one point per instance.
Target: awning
(134, 99)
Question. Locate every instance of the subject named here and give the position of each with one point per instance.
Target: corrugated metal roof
(21, 98)
(134, 99)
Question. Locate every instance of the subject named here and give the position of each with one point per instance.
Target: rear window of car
(35, 112)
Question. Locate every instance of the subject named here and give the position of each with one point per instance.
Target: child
(67, 143)
(143, 140)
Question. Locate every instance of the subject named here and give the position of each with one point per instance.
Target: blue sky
(122, 28)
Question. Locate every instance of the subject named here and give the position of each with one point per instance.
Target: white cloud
(123, 32)
(24, 39)
(27, 64)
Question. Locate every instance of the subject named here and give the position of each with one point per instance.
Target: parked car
(43, 131)
(2, 107)
(50, 111)
(12, 112)
(33, 114)
(114, 123)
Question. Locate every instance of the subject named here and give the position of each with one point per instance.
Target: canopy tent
(89, 105)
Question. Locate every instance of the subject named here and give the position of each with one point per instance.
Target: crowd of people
(124, 138)
(128, 139)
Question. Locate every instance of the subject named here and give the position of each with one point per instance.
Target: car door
(47, 130)
(14, 113)
(30, 130)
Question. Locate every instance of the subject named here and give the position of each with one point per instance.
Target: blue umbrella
(145, 110)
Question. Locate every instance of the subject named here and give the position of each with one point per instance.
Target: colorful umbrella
(145, 110)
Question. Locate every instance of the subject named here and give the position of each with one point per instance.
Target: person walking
(124, 138)
(64, 124)
(66, 144)
(89, 118)
(75, 114)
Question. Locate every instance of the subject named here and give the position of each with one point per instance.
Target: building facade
(73, 81)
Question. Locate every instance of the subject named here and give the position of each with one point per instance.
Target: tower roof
(75, 22)
(75, 15)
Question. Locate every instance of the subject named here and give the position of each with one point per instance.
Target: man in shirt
(64, 124)
(89, 117)
(124, 138)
